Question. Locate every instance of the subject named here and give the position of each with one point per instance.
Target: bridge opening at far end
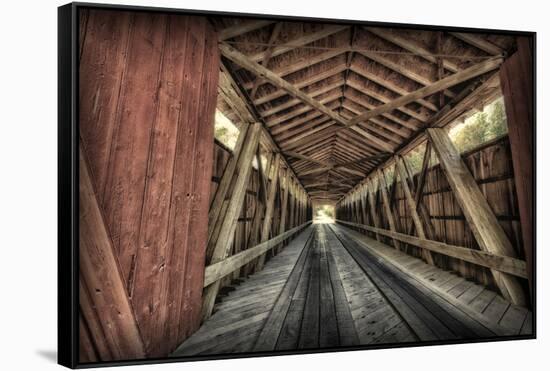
(323, 213)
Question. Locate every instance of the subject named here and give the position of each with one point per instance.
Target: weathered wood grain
(502, 263)
(104, 302)
(481, 219)
(516, 77)
(150, 149)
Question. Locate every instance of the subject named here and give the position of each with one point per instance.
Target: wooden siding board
(151, 151)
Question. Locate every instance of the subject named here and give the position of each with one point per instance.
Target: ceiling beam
(298, 121)
(360, 87)
(241, 29)
(267, 56)
(237, 57)
(333, 71)
(388, 85)
(453, 110)
(457, 78)
(402, 70)
(300, 64)
(411, 46)
(280, 119)
(478, 42)
(293, 102)
(324, 164)
(234, 98)
(380, 156)
(300, 41)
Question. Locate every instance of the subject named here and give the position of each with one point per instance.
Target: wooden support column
(400, 169)
(225, 238)
(371, 189)
(481, 219)
(272, 193)
(221, 192)
(359, 211)
(364, 195)
(299, 207)
(285, 180)
(261, 201)
(423, 211)
(387, 207)
(422, 181)
(292, 219)
(517, 79)
(354, 208)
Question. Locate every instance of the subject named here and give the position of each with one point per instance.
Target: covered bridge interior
(205, 248)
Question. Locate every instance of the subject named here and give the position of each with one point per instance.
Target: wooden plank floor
(332, 286)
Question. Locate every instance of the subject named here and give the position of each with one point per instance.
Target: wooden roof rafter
(230, 92)
(239, 58)
(338, 69)
(356, 104)
(479, 43)
(242, 28)
(412, 46)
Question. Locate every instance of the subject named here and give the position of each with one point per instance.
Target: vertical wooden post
(261, 201)
(423, 211)
(372, 206)
(357, 203)
(272, 193)
(225, 237)
(292, 221)
(400, 169)
(419, 192)
(285, 180)
(225, 182)
(300, 207)
(517, 79)
(364, 203)
(481, 219)
(385, 198)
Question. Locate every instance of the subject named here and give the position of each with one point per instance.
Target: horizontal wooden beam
(222, 268)
(500, 263)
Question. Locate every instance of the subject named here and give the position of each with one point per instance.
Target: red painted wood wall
(517, 82)
(148, 87)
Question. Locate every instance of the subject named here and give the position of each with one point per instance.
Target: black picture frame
(68, 175)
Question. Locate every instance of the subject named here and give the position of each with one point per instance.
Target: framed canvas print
(235, 185)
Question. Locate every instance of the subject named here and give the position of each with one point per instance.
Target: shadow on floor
(50, 355)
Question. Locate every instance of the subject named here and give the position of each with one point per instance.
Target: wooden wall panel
(517, 79)
(491, 167)
(148, 92)
(105, 306)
